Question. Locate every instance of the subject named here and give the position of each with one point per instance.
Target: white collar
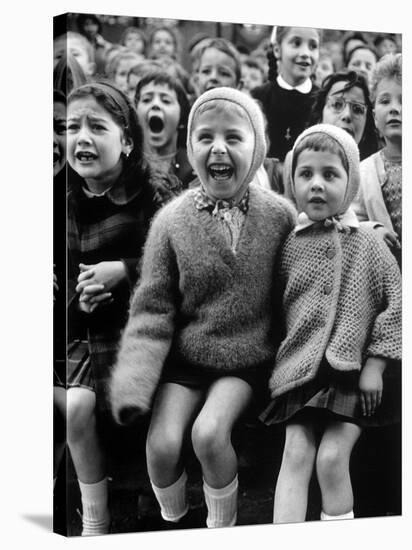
(348, 219)
(303, 88)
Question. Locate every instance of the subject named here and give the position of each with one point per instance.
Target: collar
(204, 202)
(303, 88)
(120, 193)
(341, 222)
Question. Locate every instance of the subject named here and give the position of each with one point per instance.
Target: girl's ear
(276, 50)
(127, 145)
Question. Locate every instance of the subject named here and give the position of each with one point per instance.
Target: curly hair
(369, 141)
(389, 66)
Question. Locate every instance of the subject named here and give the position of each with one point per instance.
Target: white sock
(327, 517)
(172, 499)
(221, 504)
(96, 516)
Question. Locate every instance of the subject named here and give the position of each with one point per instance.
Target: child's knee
(208, 438)
(163, 447)
(330, 463)
(299, 452)
(80, 414)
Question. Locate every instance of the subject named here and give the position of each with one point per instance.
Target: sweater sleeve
(147, 337)
(386, 337)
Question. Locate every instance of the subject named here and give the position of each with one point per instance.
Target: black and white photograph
(224, 313)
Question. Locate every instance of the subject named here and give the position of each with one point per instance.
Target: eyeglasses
(339, 103)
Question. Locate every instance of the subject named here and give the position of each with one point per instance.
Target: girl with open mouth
(162, 108)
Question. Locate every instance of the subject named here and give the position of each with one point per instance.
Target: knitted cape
(197, 300)
(341, 300)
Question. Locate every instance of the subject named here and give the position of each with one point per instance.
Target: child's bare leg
(82, 438)
(88, 459)
(227, 398)
(59, 437)
(332, 465)
(174, 409)
(291, 494)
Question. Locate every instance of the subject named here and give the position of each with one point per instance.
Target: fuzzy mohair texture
(198, 302)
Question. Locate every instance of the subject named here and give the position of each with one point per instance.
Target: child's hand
(92, 296)
(55, 285)
(371, 385)
(389, 237)
(108, 274)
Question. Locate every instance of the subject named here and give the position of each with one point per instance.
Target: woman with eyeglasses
(344, 101)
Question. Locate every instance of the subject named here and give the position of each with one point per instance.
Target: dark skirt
(337, 395)
(202, 377)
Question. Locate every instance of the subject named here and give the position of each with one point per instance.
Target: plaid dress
(109, 227)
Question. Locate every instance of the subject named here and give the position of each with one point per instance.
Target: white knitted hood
(252, 112)
(351, 151)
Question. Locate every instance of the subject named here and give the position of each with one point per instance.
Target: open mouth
(85, 156)
(220, 172)
(156, 124)
(317, 200)
(394, 122)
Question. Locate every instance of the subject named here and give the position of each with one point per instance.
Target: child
(90, 26)
(134, 39)
(198, 333)
(163, 109)
(324, 68)
(341, 296)
(75, 44)
(117, 69)
(164, 42)
(110, 205)
(363, 60)
(59, 310)
(385, 43)
(253, 74)
(218, 65)
(288, 96)
(380, 196)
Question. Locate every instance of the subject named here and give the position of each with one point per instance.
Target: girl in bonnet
(341, 301)
(197, 344)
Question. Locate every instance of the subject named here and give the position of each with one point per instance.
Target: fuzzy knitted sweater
(341, 300)
(197, 300)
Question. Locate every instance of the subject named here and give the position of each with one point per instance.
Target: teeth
(85, 156)
(218, 171)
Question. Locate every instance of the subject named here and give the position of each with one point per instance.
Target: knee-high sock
(96, 516)
(172, 499)
(327, 517)
(221, 504)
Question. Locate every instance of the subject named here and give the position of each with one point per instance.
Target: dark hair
(381, 37)
(68, 74)
(280, 34)
(117, 104)
(159, 76)
(319, 142)
(361, 47)
(355, 35)
(83, 17)
(58, 96)
(369, 141)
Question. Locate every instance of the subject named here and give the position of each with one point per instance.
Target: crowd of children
(234, 235)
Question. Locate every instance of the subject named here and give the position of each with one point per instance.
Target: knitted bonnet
(350, 150)
(252, 113)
